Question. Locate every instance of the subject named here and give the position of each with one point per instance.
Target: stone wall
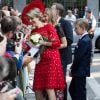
(19, 4)
(94, 5)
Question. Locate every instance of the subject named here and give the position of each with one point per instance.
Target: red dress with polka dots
(48, 72)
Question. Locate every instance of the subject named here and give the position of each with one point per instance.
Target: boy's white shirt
(83, 34)
(58, 19)
(93, 20)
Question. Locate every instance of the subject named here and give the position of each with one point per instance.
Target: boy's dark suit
(80, 68)
(66, 53)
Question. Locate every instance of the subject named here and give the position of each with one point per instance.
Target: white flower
(35, 38)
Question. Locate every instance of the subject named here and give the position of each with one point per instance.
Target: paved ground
(93, 82)
(30, 94)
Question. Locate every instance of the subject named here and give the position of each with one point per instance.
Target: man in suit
(80, 68)
(66, 53)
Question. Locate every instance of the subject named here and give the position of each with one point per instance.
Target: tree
(28, 1)
(46, 2)
(7, 2)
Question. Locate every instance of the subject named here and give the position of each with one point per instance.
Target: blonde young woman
(48, 18)
(48, 74)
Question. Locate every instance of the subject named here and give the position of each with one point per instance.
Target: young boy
(80, 68)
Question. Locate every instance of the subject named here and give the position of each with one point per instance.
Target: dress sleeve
(53, 36)
(59, 31)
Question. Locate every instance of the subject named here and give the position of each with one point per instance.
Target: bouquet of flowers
(35, 38)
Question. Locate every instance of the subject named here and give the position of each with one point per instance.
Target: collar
(58, 19)
(83, 34)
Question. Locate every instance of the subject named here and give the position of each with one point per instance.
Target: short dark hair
(59, 7)
(2, 14)
(8, 24)
(8, 69)
(89, 10)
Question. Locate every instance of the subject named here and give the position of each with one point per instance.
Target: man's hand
(27, 59)
(10, 95)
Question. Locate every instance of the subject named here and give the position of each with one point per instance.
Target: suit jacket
(66, 53)
(82, 57)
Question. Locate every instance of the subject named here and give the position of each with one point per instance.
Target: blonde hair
(83, 23)
(49, 13)
(34, 13)
(51, 18)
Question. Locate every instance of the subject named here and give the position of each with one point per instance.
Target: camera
(17, 37)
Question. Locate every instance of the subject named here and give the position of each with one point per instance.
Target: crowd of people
(50, 49)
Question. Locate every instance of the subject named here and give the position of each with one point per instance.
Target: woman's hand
(45, 43)
(42, 42)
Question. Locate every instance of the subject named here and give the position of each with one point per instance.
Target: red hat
(34, 4)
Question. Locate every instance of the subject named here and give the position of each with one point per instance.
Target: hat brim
(28, 7)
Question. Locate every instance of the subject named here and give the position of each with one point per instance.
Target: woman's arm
(45, 43)
(62, 37)
(63, 43)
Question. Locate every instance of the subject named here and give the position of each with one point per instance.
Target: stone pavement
(29, 95)
(93, 82)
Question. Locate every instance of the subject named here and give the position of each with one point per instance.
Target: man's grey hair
(59, 7)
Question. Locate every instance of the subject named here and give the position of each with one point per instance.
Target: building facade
(68, 4)
(94, 5)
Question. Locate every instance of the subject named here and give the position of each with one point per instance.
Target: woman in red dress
(48, 74)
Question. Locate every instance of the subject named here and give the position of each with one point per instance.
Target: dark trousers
(65, 72)
(77, 88)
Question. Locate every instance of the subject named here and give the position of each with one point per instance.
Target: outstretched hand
(10, 95)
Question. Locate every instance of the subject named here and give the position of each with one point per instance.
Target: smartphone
(33, 51)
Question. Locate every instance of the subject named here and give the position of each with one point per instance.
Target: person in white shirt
(70, 17)
(91, 21)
